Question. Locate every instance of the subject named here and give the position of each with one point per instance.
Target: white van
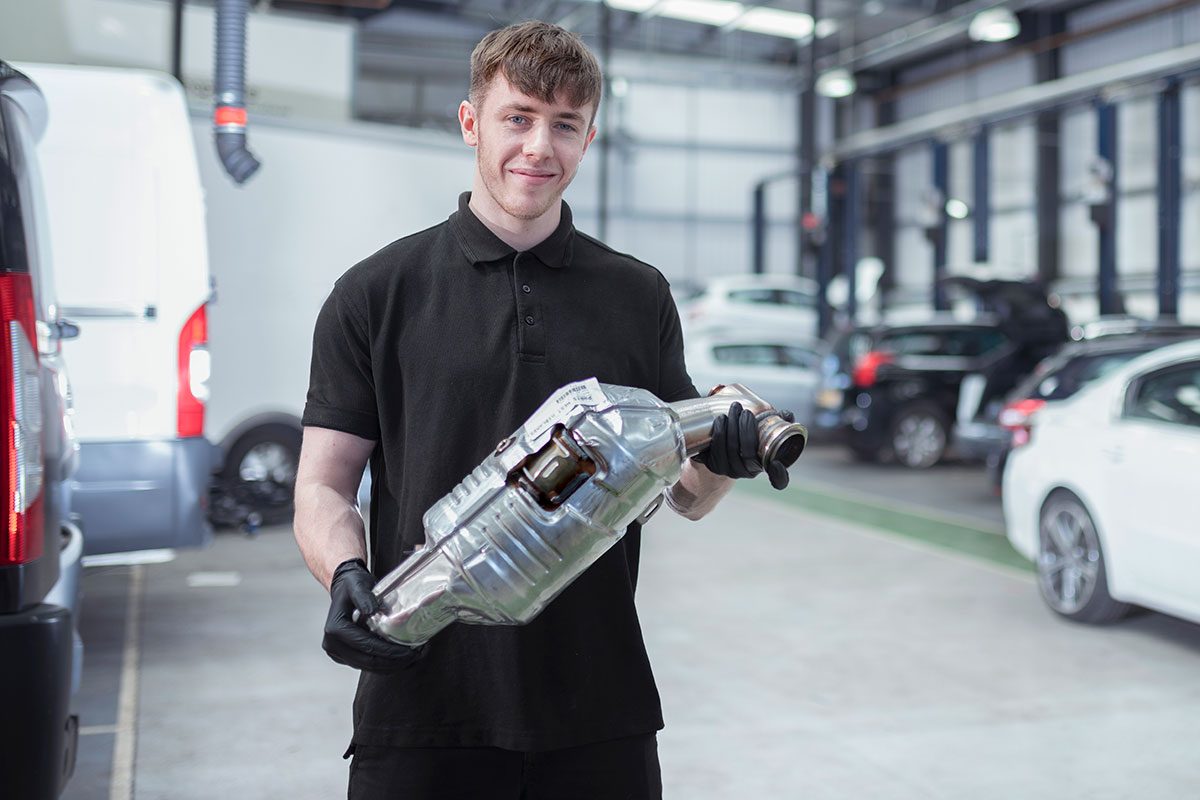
(126, 213)
(327, 196)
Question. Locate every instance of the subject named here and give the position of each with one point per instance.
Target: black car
(1001, 425)
(40, 551)
(893, 391)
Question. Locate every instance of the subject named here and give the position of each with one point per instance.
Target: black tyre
(863, 453)
(1070, 565)
(260, 473)
(919, 435)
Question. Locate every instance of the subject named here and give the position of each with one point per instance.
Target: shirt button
(526, 289)
(529, 320)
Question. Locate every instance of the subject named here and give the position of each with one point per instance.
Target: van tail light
(1017, 417)
(867, 367)
(194, 370)
(23, 537)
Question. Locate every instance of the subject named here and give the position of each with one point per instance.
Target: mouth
(533, 176)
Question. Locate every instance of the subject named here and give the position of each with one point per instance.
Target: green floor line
(975, 542)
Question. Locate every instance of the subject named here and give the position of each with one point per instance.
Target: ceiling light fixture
(706, 12)
(957, 209)
(636, 6)
(994, 25)
(827, 27)
(776, 22)
(836, 83)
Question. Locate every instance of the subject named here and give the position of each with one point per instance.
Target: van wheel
(260, 472)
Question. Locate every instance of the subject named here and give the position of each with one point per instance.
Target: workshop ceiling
(412, 55)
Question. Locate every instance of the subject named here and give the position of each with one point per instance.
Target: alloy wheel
(1068, 559)
(919, 440)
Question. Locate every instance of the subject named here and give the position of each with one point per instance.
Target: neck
(519, 234)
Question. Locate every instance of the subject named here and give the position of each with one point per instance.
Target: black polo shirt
(438, 346)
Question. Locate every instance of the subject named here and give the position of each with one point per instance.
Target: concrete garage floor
(798, 656)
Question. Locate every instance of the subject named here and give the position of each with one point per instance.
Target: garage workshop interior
(945, 252)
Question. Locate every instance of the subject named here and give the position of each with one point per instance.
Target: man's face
(527, 150)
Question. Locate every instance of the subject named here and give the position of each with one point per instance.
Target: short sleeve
(341, 386)
(674, 383)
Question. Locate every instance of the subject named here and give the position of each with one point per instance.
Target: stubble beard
(493, 181)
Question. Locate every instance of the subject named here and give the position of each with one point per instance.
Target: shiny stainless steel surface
(550, 500)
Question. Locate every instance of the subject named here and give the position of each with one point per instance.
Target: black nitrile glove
(350, 643)
(733, 451)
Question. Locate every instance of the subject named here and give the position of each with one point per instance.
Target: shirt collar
(480, 245)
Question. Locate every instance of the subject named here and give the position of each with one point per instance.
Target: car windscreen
(1073, 374)
(785, 298)
(967, 343)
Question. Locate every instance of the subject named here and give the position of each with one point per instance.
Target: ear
(588, 141)
(468, 123)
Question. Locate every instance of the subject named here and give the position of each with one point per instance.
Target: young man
(425, 355)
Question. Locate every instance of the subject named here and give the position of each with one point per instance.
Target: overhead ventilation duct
(229, 87)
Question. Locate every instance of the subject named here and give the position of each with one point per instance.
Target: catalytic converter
(551, 499)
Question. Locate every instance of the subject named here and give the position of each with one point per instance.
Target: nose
(537, 142)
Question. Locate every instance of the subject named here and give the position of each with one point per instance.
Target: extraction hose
(229, 101)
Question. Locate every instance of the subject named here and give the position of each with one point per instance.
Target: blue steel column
(1106, 222)
(849, 231)
(1170, 179)
(758, 256)
(981, 203)
(941, 183)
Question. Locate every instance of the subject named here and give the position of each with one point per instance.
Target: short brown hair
(540, 60)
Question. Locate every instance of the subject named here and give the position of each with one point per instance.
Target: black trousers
(622, 769)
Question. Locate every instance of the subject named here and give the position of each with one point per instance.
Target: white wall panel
(914, 258)
(1137, 143)
(656, 180)
(1078, 248)
(960, 241)
(953, 81)
(783, 199)
(1013, 244)
(725, 181)
(651, 111)
(742, 117)
(1125, 41)
(914, 180)
(1013, 165)
(1077, 129)
(962, 172)
(722, 248)
(1137, 235)
(781, 249)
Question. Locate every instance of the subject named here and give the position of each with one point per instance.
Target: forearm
(697, 492)
(329, 529)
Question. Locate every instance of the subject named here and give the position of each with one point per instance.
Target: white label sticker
(560, 404)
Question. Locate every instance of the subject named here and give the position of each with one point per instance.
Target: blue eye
(516, 120)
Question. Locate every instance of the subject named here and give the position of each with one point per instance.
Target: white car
(784, 373)
(1105, 496)
(785, 305)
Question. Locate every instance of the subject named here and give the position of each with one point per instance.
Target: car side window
(914, 344)
(800, 357)
(972, 343)
(1170, 395)
(794, 299)
(753, 296)
(756, 354)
